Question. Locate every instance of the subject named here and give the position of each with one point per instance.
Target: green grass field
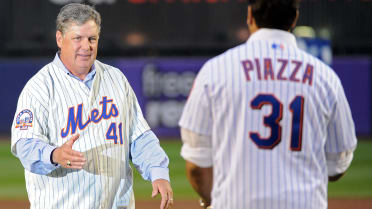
(357, 182)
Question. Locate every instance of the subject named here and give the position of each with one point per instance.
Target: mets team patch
(24, 119)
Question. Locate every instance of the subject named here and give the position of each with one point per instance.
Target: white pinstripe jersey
(53, 106)
(272, 112)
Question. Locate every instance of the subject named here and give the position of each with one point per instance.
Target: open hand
(67, 157)
(163, 186)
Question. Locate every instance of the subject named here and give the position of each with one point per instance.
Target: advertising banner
(162, 87)
(163, 84)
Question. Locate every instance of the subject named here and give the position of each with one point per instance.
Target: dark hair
(278, 14)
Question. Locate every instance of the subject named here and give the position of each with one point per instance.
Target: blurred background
(161, 44)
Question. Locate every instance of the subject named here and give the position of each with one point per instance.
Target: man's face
(79, 46)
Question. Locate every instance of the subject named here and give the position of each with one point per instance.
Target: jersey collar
(57, 61)
(273, 34)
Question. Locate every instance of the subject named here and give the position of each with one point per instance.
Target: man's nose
(85, 44)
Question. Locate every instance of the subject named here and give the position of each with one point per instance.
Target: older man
(78, 124)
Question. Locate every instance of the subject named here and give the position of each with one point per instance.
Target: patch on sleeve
(24, 119)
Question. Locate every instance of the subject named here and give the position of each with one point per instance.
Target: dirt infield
(192, 204)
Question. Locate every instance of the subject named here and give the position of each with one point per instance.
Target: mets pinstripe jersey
(52, 107)
(272, 112)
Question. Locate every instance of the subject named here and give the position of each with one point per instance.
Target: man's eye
(92, 39)
(76, 38)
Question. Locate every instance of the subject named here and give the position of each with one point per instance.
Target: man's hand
(163, 186)
(67, 157)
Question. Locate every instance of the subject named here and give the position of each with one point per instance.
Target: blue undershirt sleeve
(149, 158)
(35, 155)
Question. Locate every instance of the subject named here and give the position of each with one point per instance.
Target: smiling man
(78, 46)
(78, 124)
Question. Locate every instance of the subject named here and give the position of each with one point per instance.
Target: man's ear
(59, 38)
(249, 16)
(251, 22)
(295, 20)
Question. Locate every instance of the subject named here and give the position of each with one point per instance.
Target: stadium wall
(162, 86)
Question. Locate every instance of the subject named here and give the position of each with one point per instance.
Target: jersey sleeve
(138, 124)
(30, 119)
(197, 113)
(341, 130)
(338, 163)
(196, 148)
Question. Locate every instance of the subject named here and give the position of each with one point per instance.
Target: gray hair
(78, 14)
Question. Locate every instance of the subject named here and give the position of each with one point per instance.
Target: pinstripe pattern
(219, 106)
(106, 180)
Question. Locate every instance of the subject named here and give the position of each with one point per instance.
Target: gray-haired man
(84, 126)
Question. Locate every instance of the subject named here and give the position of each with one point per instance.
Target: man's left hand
(163, 186)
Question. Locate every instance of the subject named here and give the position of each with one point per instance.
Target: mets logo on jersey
(277, 46)
(24, 119)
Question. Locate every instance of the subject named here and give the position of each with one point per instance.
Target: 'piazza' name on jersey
(268, 73)
(95, 116)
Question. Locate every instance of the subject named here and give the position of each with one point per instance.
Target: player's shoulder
(42, 78)
(232, 52)
(217, 65)
(324, 70)
(224, 60)
(40, 84)
(325, 76)
(109, 69)
(225, 56)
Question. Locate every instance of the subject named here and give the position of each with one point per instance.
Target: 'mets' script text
(288, 70)
(95, 116)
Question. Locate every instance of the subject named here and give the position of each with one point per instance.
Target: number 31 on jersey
(273, 121)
